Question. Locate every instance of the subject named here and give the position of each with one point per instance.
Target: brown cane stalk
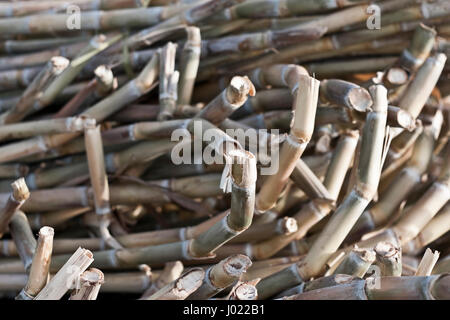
(40, 266)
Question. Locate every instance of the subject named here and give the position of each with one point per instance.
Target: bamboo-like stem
(271, 9)
(229, 100)
(98, 88)
(189, 62)
(44, 78)
(323, 282)
(427, 263)
(181, 288)
(40, 127)
(356, 263)
(194, 13)
(345, 94)
(32, 45)
(443, 266)
(414, 56)
(40, 266)
(67, 276)
(388, 259)
(168, 82)
(367, 178)
(99, 181)
(13, 170)
(314, 211)
(171, 272)
(221, 276)
(401, 185)
(245, 290)
(97, 172)
(24, 8)
(89, 286)
(113, 103)
(90, 20)
(417, 217)
(386, 288)
(307, 181)
(305, 90)
(420, 88)
(57, 85)
(15, 201)
(259, 40)
(259, 232)
(436, 228)
(23, 237)
(337, 228)
(243, 174)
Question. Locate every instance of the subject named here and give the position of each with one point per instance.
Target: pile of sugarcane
(95, 97)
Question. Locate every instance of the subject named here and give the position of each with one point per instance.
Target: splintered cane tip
(367, 255)
(104, 74)
(359, 99)
(46, 232)
(236, 265)
(385, 249)
(59, 63)
(245, 291)
(20, 190)
(243, 168)
(240, 88)
(289, 225)
(92, 277)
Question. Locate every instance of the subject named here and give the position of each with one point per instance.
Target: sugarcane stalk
(89, 20)
(23, 237)
(418, 91)
(416, 218)
(15, 201)
(24, 8)
(427, 263)
(168, 82)
(171, 272)
(182, 287)
(89, 286)
(229, 100)
(401, 185)
(305, 90)
(337, 228)
(98, 88)
(389, 288)
(40, 266)
(414, 56)
(67, 276)
(245, 290)
(111, 104)
(99, 181)
(40, 127)
(356, 263)
(43, 79)
(307, 181)
(346, 94)
(436, 228)
(388, 259)
(189, 62)
(221, 275)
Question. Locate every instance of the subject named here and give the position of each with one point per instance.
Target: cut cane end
(243, 168)
(46, 232)
(236, 265)
(359, 99)
(20, 190)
